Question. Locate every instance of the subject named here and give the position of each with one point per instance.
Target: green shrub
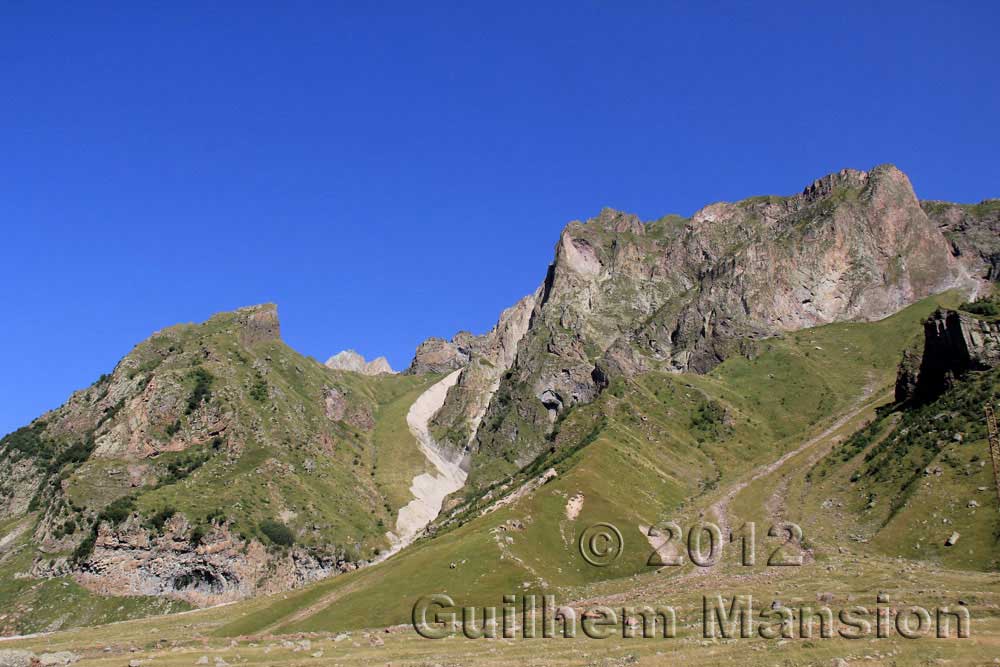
(159, 520)
(277, 532)
(202, 389)
(28, 442)
(78, 452)
(983, 306)
(181, 467)
(215, 516)
(258, 390)
(117, 511)
(198, 534)
(709, 421)
(85, 548)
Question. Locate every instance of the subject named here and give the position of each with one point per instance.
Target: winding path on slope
(720, 508)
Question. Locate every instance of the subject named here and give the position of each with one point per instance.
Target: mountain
(670, 359)
(624, 297)
(349, 360)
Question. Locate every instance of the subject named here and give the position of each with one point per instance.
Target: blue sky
(401, 171)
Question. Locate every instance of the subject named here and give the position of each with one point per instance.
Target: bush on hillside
(277, 532)
(983, 306)
(202, 389)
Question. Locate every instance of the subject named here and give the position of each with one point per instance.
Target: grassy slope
(910, 481)
(270, 476)
(395, 449)
(335, 495)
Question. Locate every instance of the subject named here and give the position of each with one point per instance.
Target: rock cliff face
(349, 360)
(489, 357)
(954, 343)
(974, 232)
(257, 324)
(437, 355)
(684, 294)
(218, 567)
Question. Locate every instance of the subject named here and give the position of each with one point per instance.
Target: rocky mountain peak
(618, 221)
(349, 360)
(826, 185)
(256, 324)
(437, 355)
(379, 365)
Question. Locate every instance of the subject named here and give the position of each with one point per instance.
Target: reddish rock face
(339, 408)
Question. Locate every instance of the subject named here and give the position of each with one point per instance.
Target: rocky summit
(349, 360)
(214, 463)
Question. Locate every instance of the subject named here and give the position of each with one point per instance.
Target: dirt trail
(719, 509)
(775, 505)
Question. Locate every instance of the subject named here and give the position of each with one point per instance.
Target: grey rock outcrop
(437, 355)
(16, 658)
(258, 324)
(131, 560)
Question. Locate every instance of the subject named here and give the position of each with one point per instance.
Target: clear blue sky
(392, 173)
